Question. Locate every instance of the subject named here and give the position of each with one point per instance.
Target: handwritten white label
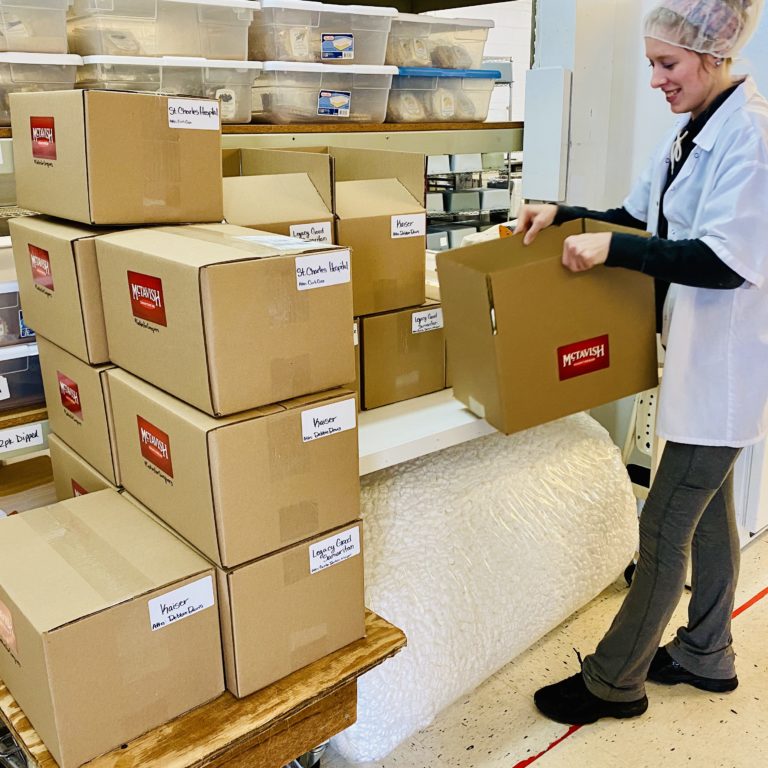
(194, 114)
(5, 391)
(312, 233)
(21, 437)
(409, 225)
(320, 270)
(181, 603)
(334, 550)
(428, 320)
(355, 334)
(328, 420)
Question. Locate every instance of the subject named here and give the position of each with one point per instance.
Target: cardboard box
(79, 411)
(108, 624)
(73, 476)
(355, 385)
(243, 486)
(530, 342)
(112, 157)
(379, 201)
(289, 193)
(403, 355)
(59, 284)
(227, 318)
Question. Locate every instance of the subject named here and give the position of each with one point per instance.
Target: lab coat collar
(708, 134)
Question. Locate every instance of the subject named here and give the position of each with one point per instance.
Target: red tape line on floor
(530, 760)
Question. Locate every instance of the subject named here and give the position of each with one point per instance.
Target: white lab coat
(715, 385)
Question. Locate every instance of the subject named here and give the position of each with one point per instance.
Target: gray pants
(689, 509)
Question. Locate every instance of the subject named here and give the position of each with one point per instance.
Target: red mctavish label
(583, 357)
(147, 301)
(155, 446)
(70, 395)
(43, 133)
(78, 489)
(40, 262)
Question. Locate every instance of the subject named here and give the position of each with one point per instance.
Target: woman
(704, 200)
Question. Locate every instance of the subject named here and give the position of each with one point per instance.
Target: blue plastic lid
(479, 74)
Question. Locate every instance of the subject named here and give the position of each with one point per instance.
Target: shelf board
(21, 416)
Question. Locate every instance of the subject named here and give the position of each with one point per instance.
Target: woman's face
(688, 85)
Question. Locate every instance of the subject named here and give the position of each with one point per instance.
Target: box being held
(530, 342)
(73, 476)
(93, 593)
(71, 146)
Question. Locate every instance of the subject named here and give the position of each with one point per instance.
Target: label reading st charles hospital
(194, 114)
(328, 420)
(181, 603)
(320, 270)
(334, 550)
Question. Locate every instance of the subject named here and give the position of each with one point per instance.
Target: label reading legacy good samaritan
(319, 270)
(409, 225)
(334, 550)
(181, 603)
(428, 320)
(194, 114)
(70, 396)
(155, 446)
(43, 134)
(583, 357)
(147, 302)
(40, 261)
(312, 233)
(7, 633)
(21, 437)
(328, 420)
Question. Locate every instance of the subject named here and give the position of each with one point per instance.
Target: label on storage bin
(312, 233)
(328, 420)
(409, 225)
(181, 603)
(43, 135)
(147, 301)
(334, 550)
(337, 45)
(5, 391)
(155, 447)
(428, 320)
(583, 357)
(194, 114)
(7, 633)
(334, 103)
(40, 261)
(78, 490)
(25, 332)
(321, 270)
(15, 438)
(70, 396)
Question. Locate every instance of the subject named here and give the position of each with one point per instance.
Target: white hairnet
(718, 27)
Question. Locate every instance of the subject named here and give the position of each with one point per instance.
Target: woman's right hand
(533, 218)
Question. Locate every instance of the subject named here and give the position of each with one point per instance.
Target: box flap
(272, 199)
(382, 197)
(72, 559)
(230, 162)
(58, 228)
(318, 397)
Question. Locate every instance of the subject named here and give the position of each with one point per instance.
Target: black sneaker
(665, 670)
(572, 703)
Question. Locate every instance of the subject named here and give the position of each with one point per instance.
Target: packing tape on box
(308, 644)
(298, 521)
(162, 155)
(288, 454)
(295, 566)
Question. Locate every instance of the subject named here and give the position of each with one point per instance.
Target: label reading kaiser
(147, 302)
(155, 446)
(40, 262)
(70, 395)
(43, 134)
(583, 357)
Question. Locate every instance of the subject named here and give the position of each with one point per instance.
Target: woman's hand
(533, 218)
(582, 252)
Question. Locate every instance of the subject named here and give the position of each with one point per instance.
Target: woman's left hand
(582, 252)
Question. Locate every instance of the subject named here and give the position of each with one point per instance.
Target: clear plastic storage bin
(214, 29)
(294, 92)
(228, 81)
(435, 41)
(302, 30)
(21, 383)
(12, 327)
(423, 95)
(25, 72)
(34, 26)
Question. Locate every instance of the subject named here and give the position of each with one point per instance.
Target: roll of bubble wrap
(478, 551)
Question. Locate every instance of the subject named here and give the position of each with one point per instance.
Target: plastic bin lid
(251, 5)
(59, 59)
(312, 5)
(424, 19)
(172, 61)
(15, 351)
(476, 74)
(351, 69)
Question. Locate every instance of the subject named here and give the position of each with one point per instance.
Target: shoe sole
(635, 710)
(712, 686)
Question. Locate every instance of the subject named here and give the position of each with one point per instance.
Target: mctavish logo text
(147, 301)
(43, 134)
(583, 357)
(155, 446)
(70, 395)
(40, 261)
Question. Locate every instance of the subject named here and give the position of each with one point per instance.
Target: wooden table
(265, 730)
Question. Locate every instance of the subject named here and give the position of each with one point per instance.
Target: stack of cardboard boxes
(193, 372)
(376, 199)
